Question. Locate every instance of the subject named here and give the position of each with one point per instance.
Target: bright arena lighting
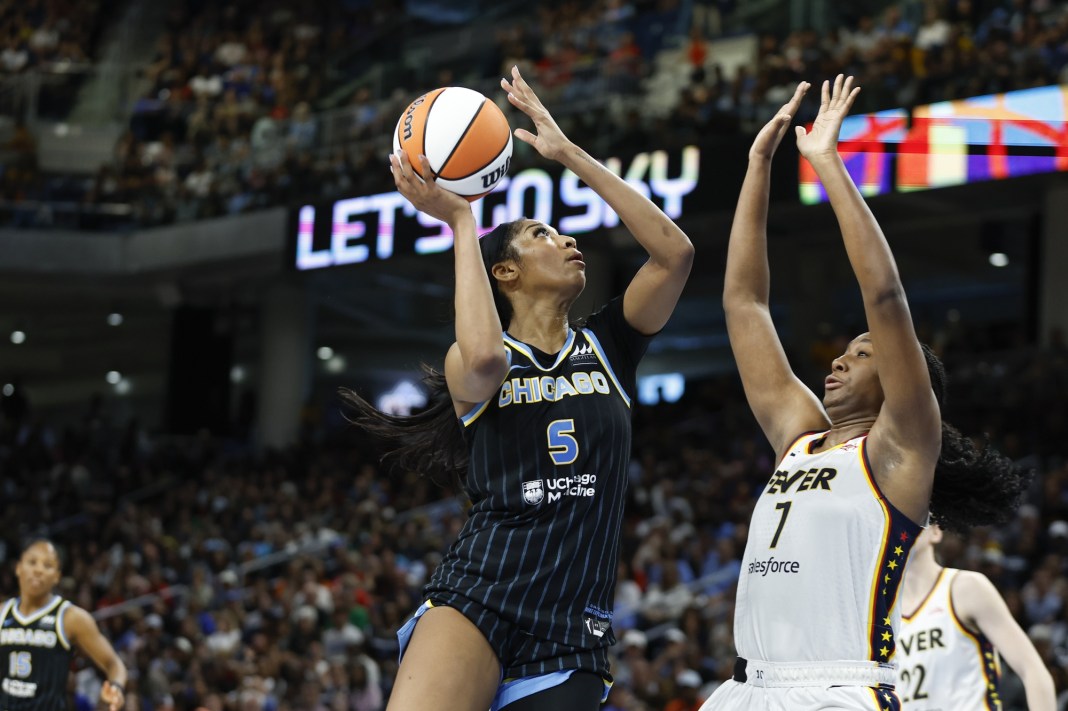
(9, 390)
(114, 318)
(18, 337)
(238, 374)
(113, 377)
(325, 353)
(999, 259)
(336, 364)
(123, 387)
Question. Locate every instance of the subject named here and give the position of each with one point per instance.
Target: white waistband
(843, 673)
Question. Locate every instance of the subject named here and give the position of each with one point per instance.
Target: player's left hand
(549, 140)
(835, 103)
(112, 696)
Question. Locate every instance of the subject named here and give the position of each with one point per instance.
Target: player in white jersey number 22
(954, 628)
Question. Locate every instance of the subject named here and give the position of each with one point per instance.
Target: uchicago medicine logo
(533, 492)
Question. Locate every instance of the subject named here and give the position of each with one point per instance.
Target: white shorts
(807, 686)
(735, 696)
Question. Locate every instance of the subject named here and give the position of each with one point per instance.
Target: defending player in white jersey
(954, 627)
(817, 613)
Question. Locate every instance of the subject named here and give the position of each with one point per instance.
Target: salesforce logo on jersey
(763, 567)
(582, 485)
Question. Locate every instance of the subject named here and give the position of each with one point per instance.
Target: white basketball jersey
(823, 562)
(944, 666)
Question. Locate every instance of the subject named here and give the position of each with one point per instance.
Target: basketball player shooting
(534, 416)
(38, 632)
(816, 617)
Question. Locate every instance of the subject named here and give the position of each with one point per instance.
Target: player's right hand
(770, 136)
(424, 193)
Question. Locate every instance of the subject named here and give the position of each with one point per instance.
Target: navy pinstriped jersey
(547, 481)
(35, 655)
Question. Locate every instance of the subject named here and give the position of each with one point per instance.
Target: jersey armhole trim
(865, 464)
(591, 338)
(61, 628)
(979, 639)
(475, 412)
(991, 670)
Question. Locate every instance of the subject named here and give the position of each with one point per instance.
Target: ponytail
(431, 443)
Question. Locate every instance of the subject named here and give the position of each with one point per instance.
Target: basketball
(464, 136)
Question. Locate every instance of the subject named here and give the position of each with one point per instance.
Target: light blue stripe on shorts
(515, 689)
(404, 634)
(509, 691)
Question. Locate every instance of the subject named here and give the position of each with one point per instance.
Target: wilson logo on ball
(493, 177)
(464, 136)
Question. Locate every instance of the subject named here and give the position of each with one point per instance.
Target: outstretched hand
(424, 193)
(549, 140)
(822, 139)
(769, 138)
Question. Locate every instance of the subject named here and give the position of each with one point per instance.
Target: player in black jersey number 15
(38, 632)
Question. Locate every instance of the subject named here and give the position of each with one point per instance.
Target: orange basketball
(464, 136)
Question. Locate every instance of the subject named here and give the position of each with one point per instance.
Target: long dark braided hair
(973, 486)
(431, 442)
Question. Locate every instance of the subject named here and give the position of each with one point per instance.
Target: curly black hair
(973, 486)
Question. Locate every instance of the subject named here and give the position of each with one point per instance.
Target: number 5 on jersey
(563, 447)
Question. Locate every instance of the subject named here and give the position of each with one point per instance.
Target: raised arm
(904, 442)
(655, 289)
(781, 403)
(979, 606)
(476, 363)
(84, 634)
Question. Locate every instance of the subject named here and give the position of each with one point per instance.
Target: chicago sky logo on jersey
(533, 492)
(583, 353)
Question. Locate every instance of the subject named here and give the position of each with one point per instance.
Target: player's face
(37, 570)
(854, 378)
(550, 258)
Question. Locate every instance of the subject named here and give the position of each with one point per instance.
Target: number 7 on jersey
(783, 506)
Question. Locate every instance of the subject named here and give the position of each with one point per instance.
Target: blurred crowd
(242, 580)
(235, 121)
(40, 33)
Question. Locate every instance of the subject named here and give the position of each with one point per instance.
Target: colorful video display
(952, 143)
